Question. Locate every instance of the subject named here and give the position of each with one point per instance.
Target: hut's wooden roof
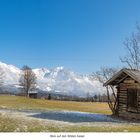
(122, 74)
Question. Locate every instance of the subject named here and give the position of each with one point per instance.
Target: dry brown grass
(10, 124)
(16, 102)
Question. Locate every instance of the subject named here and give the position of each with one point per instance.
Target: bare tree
(27, 80)
(1, 78)
(132, 45)
(103, 75)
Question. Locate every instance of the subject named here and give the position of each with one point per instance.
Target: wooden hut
(33, 94)
(127, 82)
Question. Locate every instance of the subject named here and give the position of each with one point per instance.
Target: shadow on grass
(74, 117)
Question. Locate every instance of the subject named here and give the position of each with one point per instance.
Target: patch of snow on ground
(64, 116)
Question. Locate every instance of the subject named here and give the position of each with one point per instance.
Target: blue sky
(81, 35)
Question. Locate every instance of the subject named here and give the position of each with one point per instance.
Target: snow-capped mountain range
(57, 80)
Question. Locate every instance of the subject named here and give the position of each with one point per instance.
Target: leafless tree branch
(1, 77)
(27, 80)
(104, 74)
(132, 45)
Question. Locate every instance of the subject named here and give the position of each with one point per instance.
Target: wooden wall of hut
(123, 87)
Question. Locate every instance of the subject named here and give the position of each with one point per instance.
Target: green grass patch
(120, 128)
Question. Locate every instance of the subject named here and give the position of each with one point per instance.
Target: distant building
(33, 94)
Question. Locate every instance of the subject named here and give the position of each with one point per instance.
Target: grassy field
(9, 123)
(16, 102)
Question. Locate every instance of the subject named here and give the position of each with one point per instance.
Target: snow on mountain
(11, 74)
(58, 80)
